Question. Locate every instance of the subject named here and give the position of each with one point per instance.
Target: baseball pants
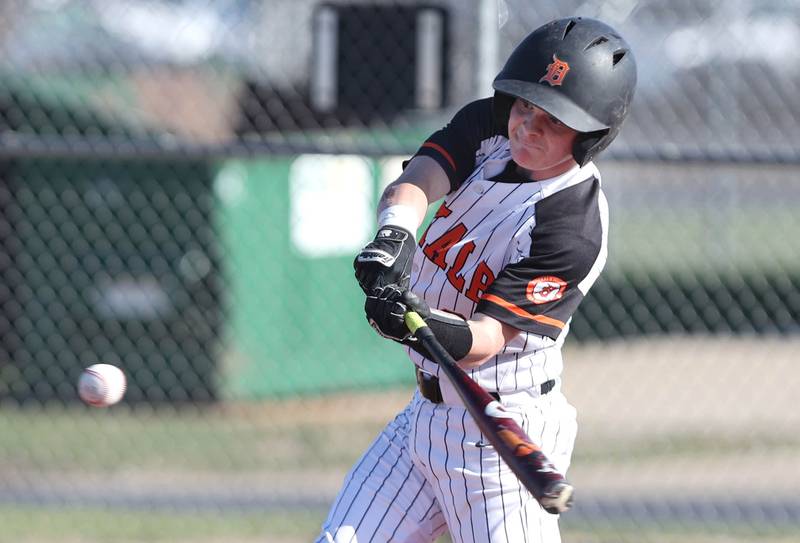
(430, 471)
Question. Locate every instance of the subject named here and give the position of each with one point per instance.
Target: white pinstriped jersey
(524, 252)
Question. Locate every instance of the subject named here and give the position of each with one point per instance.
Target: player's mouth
(534, 144)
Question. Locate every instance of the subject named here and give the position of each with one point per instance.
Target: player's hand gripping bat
(523, 457)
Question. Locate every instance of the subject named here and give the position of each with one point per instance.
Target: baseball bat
(536, 472)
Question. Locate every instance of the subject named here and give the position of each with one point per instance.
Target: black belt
(429, 387)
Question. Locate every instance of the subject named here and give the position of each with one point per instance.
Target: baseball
(101, 385)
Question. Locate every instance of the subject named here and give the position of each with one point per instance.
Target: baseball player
(513, 249)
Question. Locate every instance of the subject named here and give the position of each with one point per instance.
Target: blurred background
(184, 183)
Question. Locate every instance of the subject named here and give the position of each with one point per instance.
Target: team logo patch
(556, 72)
(547, 288)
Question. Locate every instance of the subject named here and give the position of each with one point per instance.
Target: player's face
(540, 143)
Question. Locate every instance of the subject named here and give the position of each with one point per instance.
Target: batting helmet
(578, 70)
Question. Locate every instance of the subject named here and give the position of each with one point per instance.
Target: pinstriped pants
(429, 471)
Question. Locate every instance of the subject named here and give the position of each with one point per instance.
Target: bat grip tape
(414, 321)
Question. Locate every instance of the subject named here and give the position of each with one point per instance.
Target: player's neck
(547, 173)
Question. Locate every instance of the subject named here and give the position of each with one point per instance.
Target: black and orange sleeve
(455, 146)
(542, 291)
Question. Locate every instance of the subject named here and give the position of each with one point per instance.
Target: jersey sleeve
(541, 292)
(454, 147)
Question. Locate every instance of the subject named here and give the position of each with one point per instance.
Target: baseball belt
(429, 387)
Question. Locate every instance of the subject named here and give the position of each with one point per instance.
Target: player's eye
(525, 104)
(555, 121)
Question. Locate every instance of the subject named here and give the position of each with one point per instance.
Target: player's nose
(534, 121)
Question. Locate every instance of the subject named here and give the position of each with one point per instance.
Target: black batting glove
(386, 313)
(386, 260)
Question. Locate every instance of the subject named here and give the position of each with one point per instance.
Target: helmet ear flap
(588, 144)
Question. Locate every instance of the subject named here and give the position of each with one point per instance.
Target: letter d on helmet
(581, 71)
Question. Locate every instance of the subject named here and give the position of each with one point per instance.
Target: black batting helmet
(578, 70)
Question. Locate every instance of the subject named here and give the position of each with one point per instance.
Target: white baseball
(101, 385)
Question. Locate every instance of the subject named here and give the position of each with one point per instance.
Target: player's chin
(520, 153)
(526, 158)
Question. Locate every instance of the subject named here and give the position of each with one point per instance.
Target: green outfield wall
(296, 320)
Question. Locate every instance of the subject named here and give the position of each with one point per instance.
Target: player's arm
(422, 182)
(439, 166)
(387, 259)
(470, 342)
(489, 336)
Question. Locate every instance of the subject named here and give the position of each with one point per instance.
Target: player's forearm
(469, 342)
(407, 201)
(387, 259)
(422, 182)
(489, 336)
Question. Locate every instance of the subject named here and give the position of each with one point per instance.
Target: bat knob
(558, 498)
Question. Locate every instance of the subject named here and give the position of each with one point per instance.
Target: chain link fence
(167, 168)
